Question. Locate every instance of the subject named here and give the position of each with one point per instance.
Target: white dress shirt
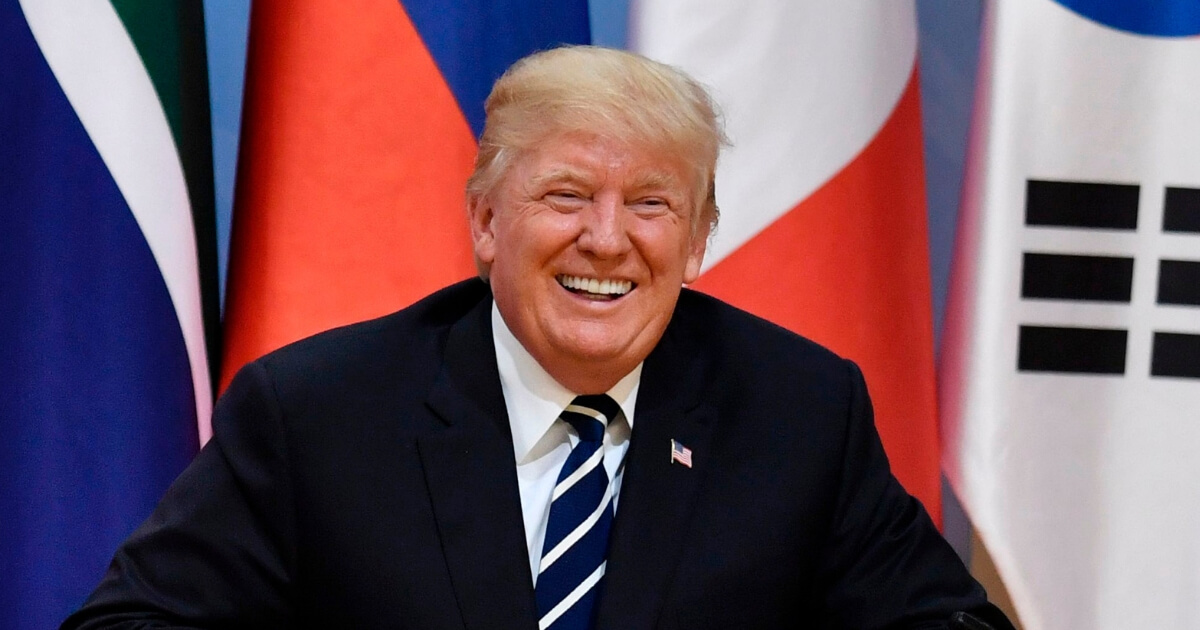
(541, 441)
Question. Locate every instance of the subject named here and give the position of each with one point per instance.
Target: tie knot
(590, 415)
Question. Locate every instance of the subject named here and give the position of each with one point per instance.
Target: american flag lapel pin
(681, 454)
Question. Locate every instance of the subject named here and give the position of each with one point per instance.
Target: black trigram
(1179, 280)
(1182, 210)
(1088, 278)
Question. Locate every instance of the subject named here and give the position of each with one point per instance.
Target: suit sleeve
(887, 566)
(218, 551)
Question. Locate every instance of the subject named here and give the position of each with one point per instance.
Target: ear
(696, 249)
(480, 214)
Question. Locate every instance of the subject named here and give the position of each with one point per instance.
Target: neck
(586, 379)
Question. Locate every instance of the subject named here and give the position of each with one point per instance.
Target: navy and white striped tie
(581, 514)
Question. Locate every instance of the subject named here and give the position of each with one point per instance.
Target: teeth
(596, 286)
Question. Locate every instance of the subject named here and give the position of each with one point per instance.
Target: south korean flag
(1070, 367)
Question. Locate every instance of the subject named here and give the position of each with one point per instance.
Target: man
(573, 443)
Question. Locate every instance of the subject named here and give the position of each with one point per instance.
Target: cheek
(539, 238)
(511, 242)
(524, 251)
(666, 250)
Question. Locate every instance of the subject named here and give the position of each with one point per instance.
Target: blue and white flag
(1070, 368)
(105, 183)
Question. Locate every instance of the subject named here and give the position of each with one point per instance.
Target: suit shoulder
(415, 331)
(738, 332)
(751, 356)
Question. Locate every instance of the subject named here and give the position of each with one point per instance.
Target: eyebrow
(656, 180)
(559, 175)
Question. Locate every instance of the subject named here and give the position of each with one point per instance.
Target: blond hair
(603, 91)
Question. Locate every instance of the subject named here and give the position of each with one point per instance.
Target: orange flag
(359, 134)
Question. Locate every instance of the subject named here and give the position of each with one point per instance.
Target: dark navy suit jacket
(364, 478)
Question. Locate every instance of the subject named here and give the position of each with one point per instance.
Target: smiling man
(571, 441)
(587, 241)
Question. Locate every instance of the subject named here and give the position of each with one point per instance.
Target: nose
(604, 233)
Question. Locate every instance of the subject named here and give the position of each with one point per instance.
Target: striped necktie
(581, 513)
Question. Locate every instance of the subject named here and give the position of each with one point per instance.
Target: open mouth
(595, 288)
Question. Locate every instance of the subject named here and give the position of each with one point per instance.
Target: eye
(565, 199)
(650, 205)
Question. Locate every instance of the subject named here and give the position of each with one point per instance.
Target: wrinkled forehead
(572, 152)
(576, 153)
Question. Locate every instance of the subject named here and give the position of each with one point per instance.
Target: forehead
(593, 159)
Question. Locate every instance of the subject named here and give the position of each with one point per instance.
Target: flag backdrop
(1071, 356)
(105, 184)
(822, 193)
(360, 124)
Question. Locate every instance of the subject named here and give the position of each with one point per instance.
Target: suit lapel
(472, 482)
(656, 494)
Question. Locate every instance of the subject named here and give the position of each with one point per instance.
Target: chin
(602, 346)
(588, 354)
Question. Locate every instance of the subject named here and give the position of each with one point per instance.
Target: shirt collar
(533, 398)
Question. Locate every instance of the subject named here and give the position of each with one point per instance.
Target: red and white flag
(822, 197)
